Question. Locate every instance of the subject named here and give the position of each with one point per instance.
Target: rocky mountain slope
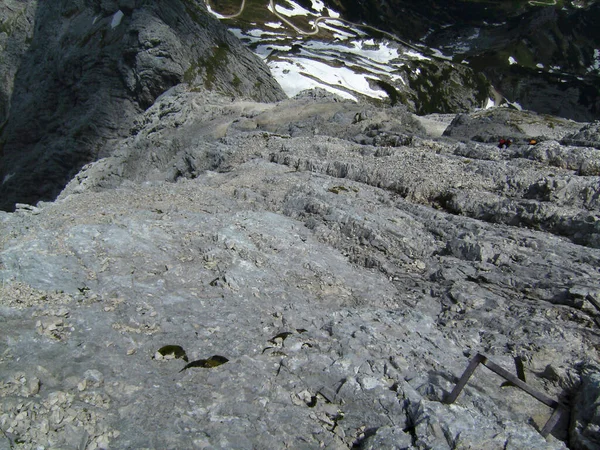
(226, 268)
(79, 73)
(329, 268)
(76, 76)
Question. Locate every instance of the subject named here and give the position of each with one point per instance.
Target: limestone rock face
(585, 421)
(16, 31)
(588, 136)
(327, 269)
(88, 67)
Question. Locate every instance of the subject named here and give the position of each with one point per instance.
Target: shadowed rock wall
(92, 66)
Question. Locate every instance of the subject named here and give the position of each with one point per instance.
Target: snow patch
(383, 53)
(490, 103)
(299, 74)
(439, 54)
(417, 55)
(475, 35)
(274, 24)
(511, 60)
(318, 5)
(260, 33)
(292, 81)
(516, 105)
(337, 33)
(539, 65)
(265, 50)
(244, 37)
(596, 64)
(116, 20)
(296, 10)
(216, 14)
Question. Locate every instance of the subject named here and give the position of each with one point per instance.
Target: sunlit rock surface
(347, 261)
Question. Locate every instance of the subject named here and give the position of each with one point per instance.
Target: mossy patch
(236, 82)
(209, 67)
(194, 11)
(216, 61)
(337, 189)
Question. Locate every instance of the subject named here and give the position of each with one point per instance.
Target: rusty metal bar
(520, 368)
(520, 372)
(520, 384)
(465, 378)
(516, 381)
(553, 420)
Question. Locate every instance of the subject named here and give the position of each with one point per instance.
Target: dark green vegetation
(213, 361)
(174, 351)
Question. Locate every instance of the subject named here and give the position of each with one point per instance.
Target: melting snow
(439, 54)
(343, 67)
(596, 64)
(338, 34)
(216, 14)
(266, 49)
(116, 20)
(274, 24)
(511, 60)
(295, 76)
(318, 5)
(293, 82)
(261, 33)
(296, 10)
(416, 55)
(382, 54)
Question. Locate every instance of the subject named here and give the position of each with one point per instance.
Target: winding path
(227, 16)
(539, 3)
(316, 30)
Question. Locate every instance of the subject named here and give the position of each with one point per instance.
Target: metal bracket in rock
(559, 408)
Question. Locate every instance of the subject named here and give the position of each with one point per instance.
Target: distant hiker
(504, 143)
(532, 142)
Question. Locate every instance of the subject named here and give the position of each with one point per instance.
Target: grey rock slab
(585, 429)
(587, 136)
(344, 289)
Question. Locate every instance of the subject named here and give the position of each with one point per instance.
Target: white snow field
(340, 58)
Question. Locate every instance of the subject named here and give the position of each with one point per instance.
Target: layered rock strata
(346, 261)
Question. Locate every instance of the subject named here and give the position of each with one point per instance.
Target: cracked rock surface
(328, 269)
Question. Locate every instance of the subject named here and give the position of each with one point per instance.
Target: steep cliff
(89, 67)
